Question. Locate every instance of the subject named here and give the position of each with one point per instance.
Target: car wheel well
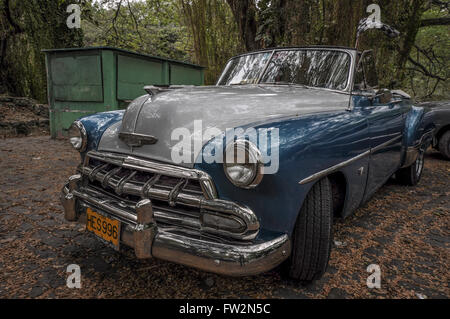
(339, 191)
(441, 132)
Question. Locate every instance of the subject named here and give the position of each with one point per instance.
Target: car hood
(197, 109)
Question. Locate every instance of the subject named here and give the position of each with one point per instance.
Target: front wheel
(312, 235)
(411, 175)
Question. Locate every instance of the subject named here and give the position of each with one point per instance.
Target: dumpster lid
(124, 51)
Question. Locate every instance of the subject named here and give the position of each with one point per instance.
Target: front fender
(414, 119)
(307, 145)
(97, 124)
(418, 133)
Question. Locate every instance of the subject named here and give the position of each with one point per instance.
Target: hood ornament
(137, 140)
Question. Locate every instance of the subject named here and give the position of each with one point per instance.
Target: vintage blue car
(335, 138)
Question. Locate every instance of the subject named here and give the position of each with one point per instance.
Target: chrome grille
(120, 176)
(181, 197)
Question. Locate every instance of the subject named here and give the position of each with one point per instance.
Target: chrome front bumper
(140, 232)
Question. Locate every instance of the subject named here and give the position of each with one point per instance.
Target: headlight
(243, 165)
(78, 136)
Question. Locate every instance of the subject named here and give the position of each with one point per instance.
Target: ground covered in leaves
(405, 230)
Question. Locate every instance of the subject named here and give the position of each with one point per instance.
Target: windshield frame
(350, 52)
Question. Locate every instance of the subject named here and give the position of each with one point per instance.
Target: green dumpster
(85, 81)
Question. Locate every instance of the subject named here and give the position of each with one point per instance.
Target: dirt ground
(405, 230)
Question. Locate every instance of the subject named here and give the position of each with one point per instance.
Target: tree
(428, 66)
(214, 32)
(269, 23)
(153, 26)
(27, 27)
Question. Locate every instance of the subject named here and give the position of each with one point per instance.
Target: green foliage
(428, 70)
(152, 26)
(215, 36)
(26, 28)
(332, 22)
(209, 32)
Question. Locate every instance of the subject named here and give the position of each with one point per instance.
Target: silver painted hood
(223, 107)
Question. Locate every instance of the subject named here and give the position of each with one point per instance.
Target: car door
(386, 119)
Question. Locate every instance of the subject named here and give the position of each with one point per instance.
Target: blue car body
(311, 144)
(358, 145)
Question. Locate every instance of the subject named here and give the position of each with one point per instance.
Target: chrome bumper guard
(139, 231)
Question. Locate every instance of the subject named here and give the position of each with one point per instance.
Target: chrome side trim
(387, 143)
(336, 167)
(332, 169)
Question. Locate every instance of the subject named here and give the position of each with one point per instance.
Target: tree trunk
(244, 13)
(414, 14)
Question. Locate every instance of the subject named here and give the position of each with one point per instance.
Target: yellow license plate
(106, 228)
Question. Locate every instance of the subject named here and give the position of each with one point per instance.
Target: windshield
(309, 67)
(245, 69)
